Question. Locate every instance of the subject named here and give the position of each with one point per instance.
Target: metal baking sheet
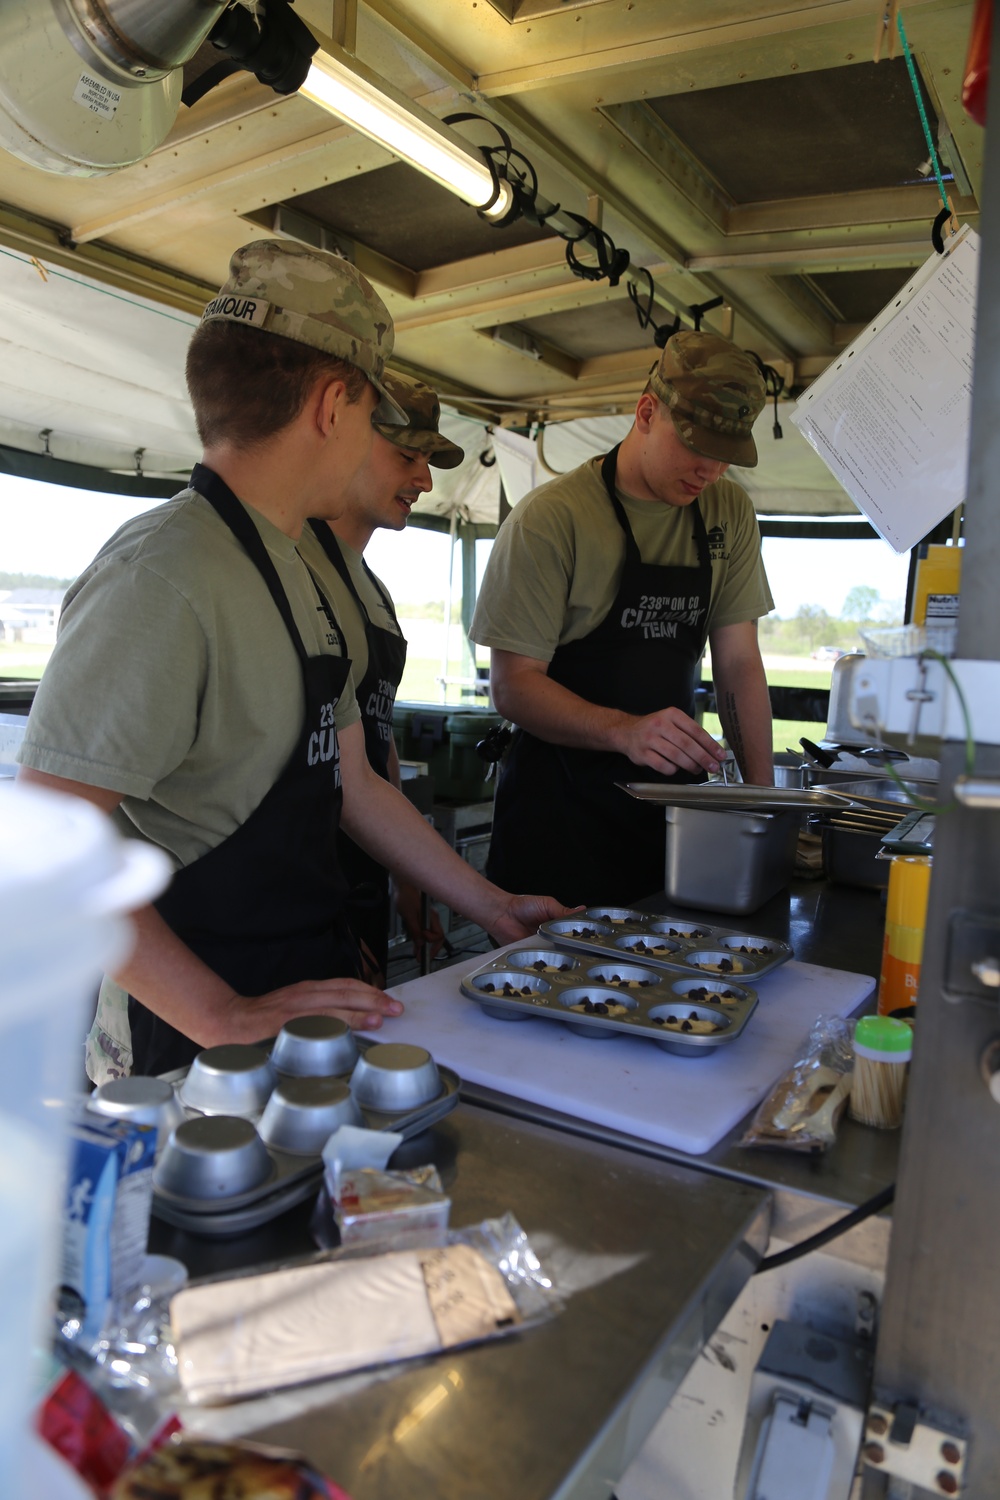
(540, 982)
(293, 1177)
(718, 797)
(627, 935)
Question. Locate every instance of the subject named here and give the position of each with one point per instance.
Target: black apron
(368, 897)
(560, 824)
(265, 908)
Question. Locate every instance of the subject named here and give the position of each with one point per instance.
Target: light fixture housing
(364, 100)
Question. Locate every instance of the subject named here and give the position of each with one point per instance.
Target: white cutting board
(686, 1103)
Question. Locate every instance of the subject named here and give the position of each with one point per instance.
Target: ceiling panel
(858, 296)
(587, 332)
(840, 130)
(403, 215)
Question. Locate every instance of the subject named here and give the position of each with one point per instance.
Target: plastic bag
(802, 1111)
(345, 1312)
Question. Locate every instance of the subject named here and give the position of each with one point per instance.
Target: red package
(76, 1423)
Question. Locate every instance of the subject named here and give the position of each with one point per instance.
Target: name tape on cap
(252, 310)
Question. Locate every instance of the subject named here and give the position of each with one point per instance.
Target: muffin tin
(671, 944)
(255, 1119)
(613, 996)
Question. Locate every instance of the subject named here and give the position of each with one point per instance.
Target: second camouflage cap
(422, 411)
(714, 391)
(314, 298)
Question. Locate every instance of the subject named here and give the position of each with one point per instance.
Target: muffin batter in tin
(682, 1014)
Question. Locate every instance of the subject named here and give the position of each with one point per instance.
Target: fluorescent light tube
(349, 90)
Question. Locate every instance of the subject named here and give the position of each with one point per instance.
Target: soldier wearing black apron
(267, 906)
(367, 880)
(558, 809)
(597, 667)
(395, 475)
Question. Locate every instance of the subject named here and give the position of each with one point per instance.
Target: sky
(56, 531)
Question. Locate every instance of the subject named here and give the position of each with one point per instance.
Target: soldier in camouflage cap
(422, 411)
(389, 483)
(314, 298)
(714, 392)
(601, 593)
(202, 684)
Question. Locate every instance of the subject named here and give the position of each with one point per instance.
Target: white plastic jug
(66, 879)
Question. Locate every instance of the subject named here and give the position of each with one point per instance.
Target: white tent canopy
(95, 377)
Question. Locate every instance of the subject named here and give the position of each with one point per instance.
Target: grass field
(26, 661)
(420, 682)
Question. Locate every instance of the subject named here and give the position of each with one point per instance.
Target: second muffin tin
(672, 944)
(246, 1149)
(691, 1015)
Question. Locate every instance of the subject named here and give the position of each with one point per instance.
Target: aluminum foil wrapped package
(802, 1111)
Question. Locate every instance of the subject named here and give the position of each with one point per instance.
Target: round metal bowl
(719, 961)
(704, 992)
(540, 960)
(647, 945)
(143, 1101)
(675, 927)
(752, 947)
(616, 915)
(302, 1114)
(510, 983)
(686, 1028)
(578, 927)
(218, 1156)
(229, 1080)
(395, 1076)
(314, 1047)
(624, 976)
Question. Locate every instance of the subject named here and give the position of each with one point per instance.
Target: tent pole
(445, 652)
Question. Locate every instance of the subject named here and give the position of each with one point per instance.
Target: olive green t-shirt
(174, 679)
(557, 561)
(345, 606)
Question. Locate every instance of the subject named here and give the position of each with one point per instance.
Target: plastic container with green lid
(882, 1049)
(883, 1039)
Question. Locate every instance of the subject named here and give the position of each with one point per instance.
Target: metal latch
(899, 1443)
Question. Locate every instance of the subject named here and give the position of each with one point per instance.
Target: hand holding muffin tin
(256, 1119)
(674, 944)
(686, 1014)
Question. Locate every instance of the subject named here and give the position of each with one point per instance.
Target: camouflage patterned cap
(714, 392)
(315, 298)
(423, 413)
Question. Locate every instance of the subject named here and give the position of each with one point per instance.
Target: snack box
(687, 1014)
(672, 944)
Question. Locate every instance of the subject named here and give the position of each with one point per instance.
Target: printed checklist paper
(890, 417)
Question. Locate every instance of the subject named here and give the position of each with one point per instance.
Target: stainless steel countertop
(839, 927)
(660, 1252)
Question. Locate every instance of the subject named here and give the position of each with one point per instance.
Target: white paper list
(890, 417)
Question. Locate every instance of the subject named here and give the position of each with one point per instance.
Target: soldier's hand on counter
(668, 741)
(522, 914)
(361, 1005)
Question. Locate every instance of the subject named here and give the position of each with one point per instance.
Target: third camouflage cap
(714, 391)
(422, 410)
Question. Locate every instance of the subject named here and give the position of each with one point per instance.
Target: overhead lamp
(367, 102)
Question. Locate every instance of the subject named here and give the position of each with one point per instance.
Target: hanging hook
(137, 460)
(44, 436)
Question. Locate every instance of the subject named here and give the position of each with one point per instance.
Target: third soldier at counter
(602, 590)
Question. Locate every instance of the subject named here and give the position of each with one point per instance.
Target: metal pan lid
(741, 797)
